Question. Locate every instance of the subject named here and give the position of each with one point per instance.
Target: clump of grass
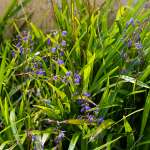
(83, 86)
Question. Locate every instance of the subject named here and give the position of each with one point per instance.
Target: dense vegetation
(83, 86)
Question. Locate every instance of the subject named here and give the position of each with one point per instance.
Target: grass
(84, 86)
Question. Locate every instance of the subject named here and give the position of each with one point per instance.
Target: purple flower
(59, 137)
(40, 72)
(100, 120)
(55, 77)
(48, 41)
(80, 101)
(77, 81)
(138, 46)
(13, 54)
(87, 94)
(77, 78)
(21, 50)
(85, 108)
(53, 49)
(35, 65)
(33, 138)
(61, 53)
(60, 62)
(129, 43)
(130, 22)
(64, 33)
(25, 38)
(63, 43)
(90, 118)
(18, 45)
(68, 73)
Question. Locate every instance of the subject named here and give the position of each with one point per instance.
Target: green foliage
(84, 86)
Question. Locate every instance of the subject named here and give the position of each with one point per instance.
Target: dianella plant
(83, 86)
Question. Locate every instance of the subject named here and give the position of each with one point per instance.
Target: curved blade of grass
(146, 73)
(73, 142)
(2, 146)
(104, 125)
(108, 143)
(60, 93)
(87, 71)
(133, 80)
(130, 136)
(145, 114)
(14, 128)
(5, 129)
(143, 143)
(2, 69)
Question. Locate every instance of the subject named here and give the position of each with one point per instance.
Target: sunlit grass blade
(88, 71)
(108, 143)
(145, 114)
(14, 128)
(73, 141)
(104, 125)
(129, 131)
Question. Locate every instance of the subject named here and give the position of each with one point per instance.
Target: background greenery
(84, 86)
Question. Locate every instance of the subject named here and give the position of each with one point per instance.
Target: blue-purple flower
(25, 39)
(61, 53)
(90, 118)
(100, 120)
(63, 43)
(59, 137)
(87, 94)
(33, 138)
(21, 50)
(55, 77)
(64, 33)
(77, 78)
(35, 65)
(138, 46)
(129, 43)
(60, 62)
(48, 41)
(40, 72)
(13, 54)
(80, 101)
(53, 49)
(68, 73)
(18, 45)
(85, 108)
(130, 22)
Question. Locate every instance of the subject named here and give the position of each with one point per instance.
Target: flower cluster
(88, 110)
(132, 41)
(23, 43)
(68, 77)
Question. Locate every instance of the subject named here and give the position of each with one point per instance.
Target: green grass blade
(145, 114)
(108, 143)
(74, 140)
(129, 131)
